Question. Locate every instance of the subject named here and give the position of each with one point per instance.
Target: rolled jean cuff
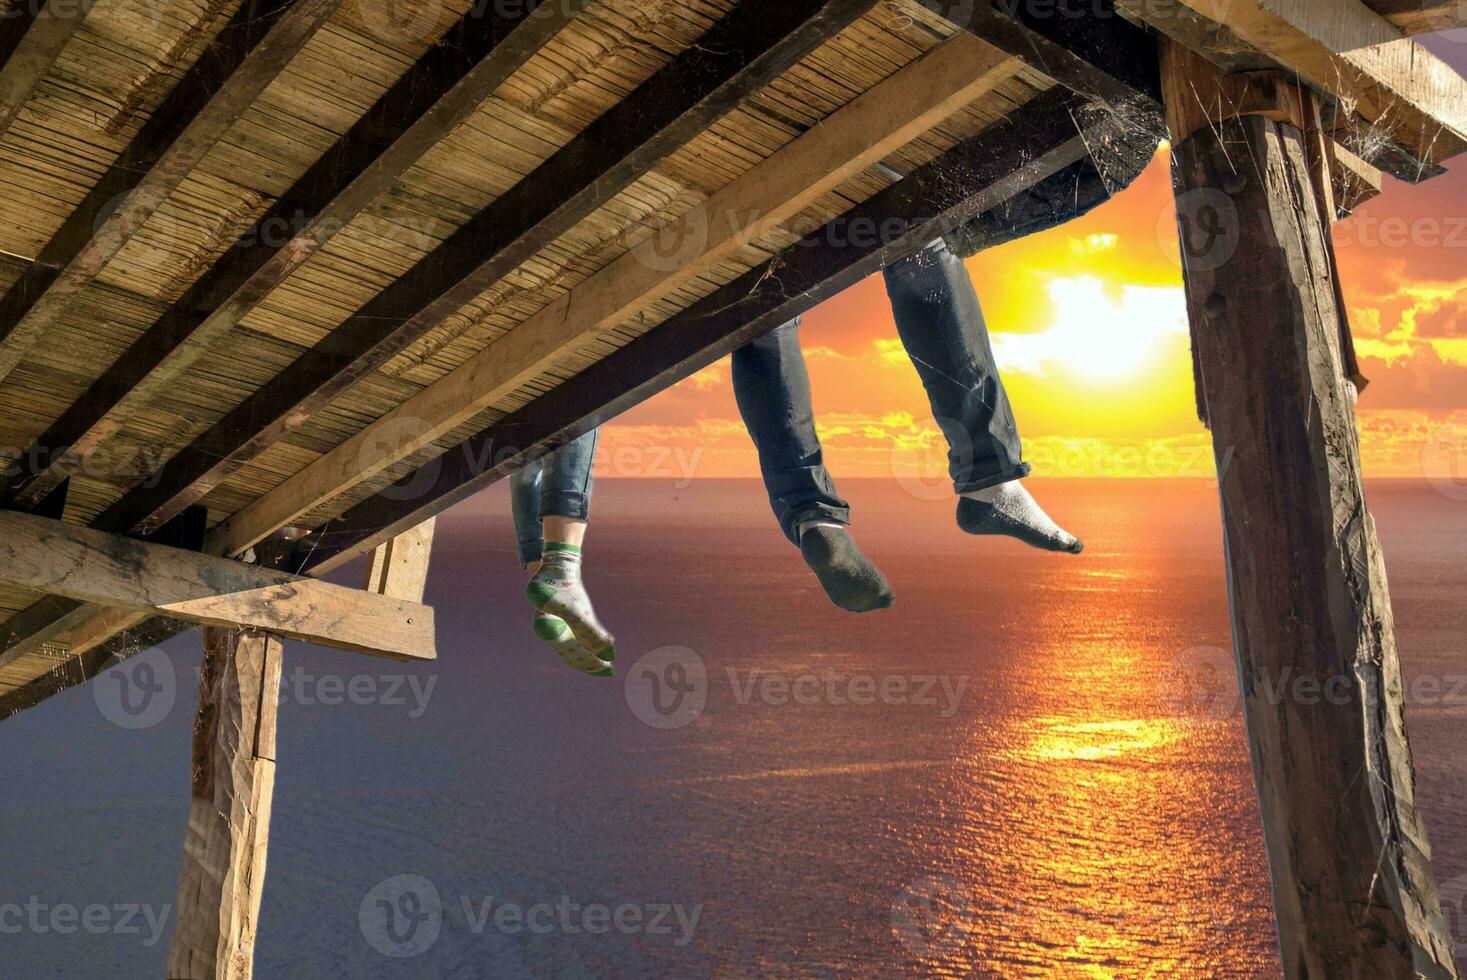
(1015, 472)
(813, 512)
(570, 504)
(531, 551)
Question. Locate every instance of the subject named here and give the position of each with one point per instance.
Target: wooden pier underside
(262, 262)
(281, 281)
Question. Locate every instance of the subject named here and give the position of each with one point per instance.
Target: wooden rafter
(31, 38)
(757, 42)
(1422, 16)
(1085, 46)
(1343, 48)
(107, 569)
(986, 171)
(251, 51)
(442, 89)
(853, 138)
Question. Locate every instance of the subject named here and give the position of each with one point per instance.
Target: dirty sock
(557, 589)
(848, 577)
(1008, 509)
(558, 636)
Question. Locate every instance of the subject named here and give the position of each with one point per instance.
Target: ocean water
(1031, 766)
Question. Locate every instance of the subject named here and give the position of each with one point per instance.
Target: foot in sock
(848, 577)
(558, 636)
(1009, 510)
(556, 589)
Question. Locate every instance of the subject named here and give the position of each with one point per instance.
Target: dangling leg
(551, 500)
(942, 328)
(773, 392)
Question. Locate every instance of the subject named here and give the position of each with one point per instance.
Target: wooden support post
(229, 818)
(1320, 680)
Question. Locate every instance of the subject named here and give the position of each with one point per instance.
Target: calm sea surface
(1031, 766)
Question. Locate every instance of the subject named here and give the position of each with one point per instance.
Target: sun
(1097, 334)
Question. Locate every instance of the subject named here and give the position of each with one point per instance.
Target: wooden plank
(31, 39)
(257, 45)
(399, 568)
(758, 41)
(92, 566)
(233, 783)
(876, 124)
(1352, 884)
(426, 104)
(1343, 48)
(1422, 16)
(1043, 138)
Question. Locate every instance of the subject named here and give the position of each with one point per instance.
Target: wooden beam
(1040, 141)
(399, 568)
(1231, 54)
(1422, 16)
(1352, 883)
(256, 46)
(109, 570)
(1082, 44)
(31, 38)
(1343, 48)
(851, 139)
(427, 103)
(757, 42)
(1355, 181)
(233, 785)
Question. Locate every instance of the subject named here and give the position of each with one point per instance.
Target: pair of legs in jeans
(941, 326)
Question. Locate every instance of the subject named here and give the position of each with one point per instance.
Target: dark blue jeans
(941, 326)
(556, 485)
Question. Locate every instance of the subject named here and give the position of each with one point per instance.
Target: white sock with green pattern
(558, 636)
(556, 589)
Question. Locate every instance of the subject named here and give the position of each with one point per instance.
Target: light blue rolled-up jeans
(556, 485)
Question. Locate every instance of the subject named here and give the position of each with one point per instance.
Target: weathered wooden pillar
(1321, 685)
(229, 819)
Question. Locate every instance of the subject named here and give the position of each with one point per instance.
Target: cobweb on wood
(1120, 141)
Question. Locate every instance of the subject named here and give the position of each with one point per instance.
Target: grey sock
(846, 575)
(557, 589)
(1008, 509)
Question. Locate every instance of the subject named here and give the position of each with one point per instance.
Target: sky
(1088, 323)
